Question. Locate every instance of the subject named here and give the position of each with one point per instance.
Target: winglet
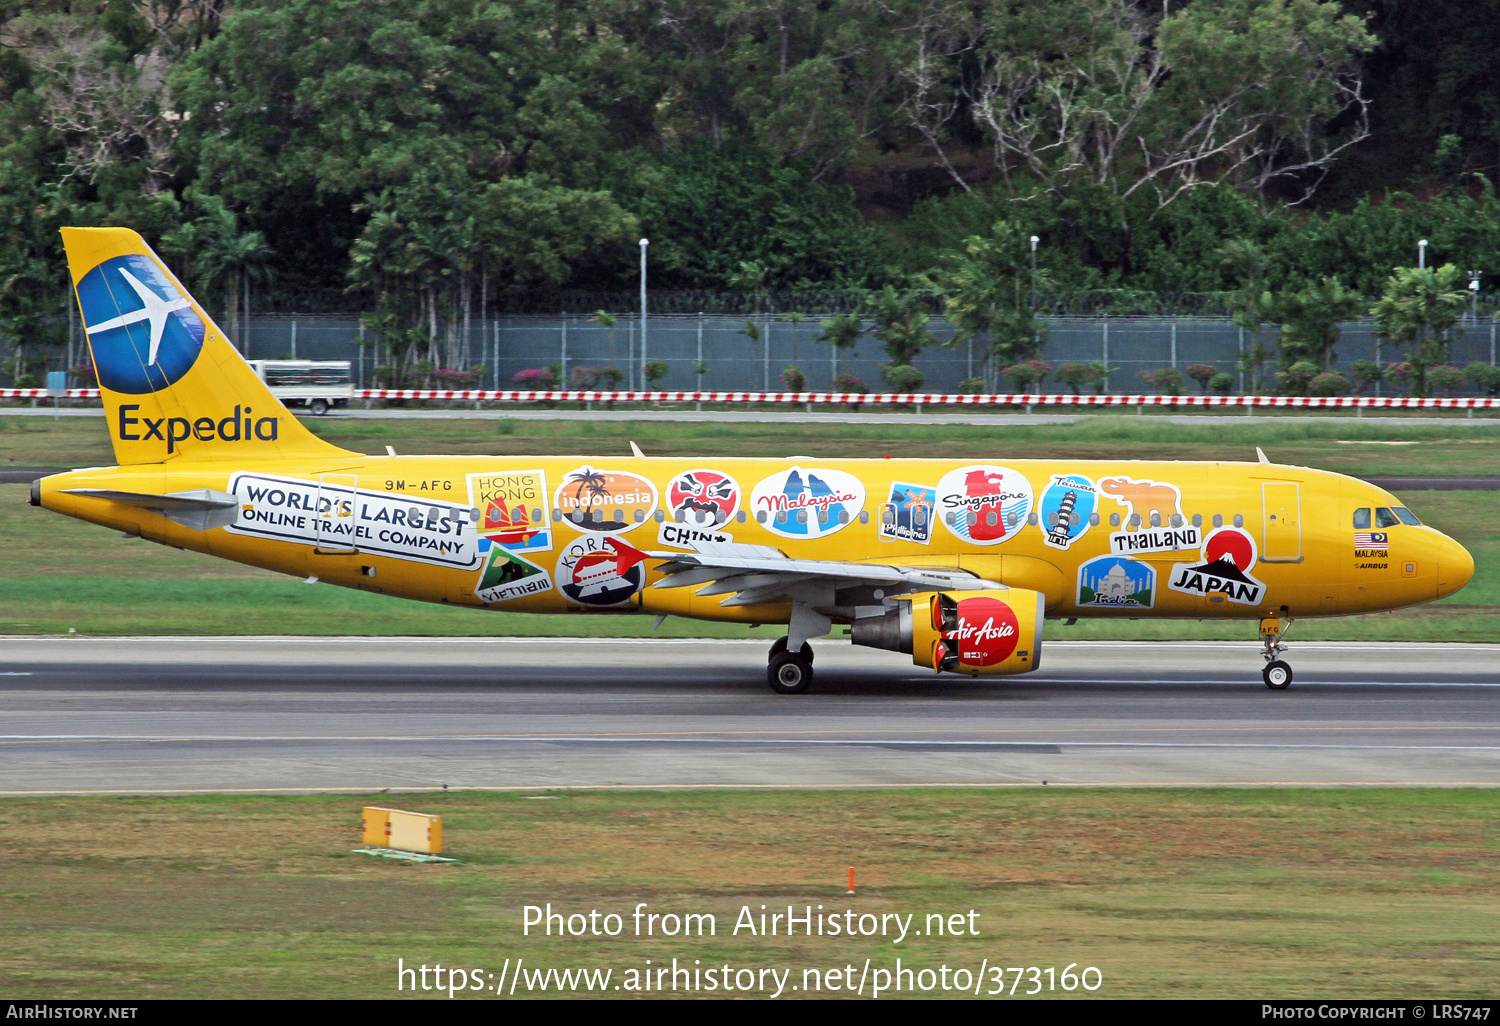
(635, 450)
(1260, 455)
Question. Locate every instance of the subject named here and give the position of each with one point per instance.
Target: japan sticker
(1228, 556)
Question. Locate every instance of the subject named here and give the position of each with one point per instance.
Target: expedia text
(237, 427)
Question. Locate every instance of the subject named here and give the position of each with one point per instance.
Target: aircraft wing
(750, 574)
(200, 509)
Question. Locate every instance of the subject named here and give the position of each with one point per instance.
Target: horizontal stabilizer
(199, 509)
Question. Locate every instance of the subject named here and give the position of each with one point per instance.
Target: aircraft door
(337, 513)
(1281, 538)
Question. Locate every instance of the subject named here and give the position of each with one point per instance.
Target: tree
(841, 332)
(216, 255)
(986, 290)
(1311, 318)
(1420, 310)
(901, 326)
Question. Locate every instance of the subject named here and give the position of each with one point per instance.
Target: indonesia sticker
(987, 631)
(911, 513)
(1067, 508)
(809, 503)
(1114, 583)
(703, 498)
(305, 512)
(508, 576)
(595, 571)
(605, 501)
(1153, 517)
(513, 509)
(983, 504)
(1228, 556)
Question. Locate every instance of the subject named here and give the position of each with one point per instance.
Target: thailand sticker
(513, 509)
(1116, 583)
(983, 504)
(597, 571)
(987, 631)
(911, 508)
(508, 576)
(1067, 508)
(292, 510)
(1153, 517)
(810, 503)
(605, 501)
(1228, 555)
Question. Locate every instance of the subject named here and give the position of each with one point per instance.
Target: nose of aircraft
(1455, 567)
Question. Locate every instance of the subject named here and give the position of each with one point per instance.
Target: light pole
(1034, 241)
(644, 244)
(1422, 254)
(1474, 277)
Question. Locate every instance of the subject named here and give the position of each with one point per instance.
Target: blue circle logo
(143, 331)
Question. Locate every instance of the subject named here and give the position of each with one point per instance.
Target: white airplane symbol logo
(155, 311)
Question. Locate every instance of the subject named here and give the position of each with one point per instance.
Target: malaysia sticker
(1153, 517)
(292, 510)
(513, 509)
(1116, 583)
(600, 571)
(811, 503)
(912, 510)
(703, 498)
(605, 501)
(509, 576)
(983, 504)
(1228, 556)
(987, 631)
(1067, 508)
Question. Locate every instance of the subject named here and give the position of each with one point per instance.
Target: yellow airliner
(957, 564)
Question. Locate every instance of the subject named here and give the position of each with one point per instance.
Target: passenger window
(1135, 521)
(1031, 519)
(919, 517)
(1362, 519)
(1197, 519)
(1239, 521)
(739, 517)
(989, 518)
(1406, 515)
(760, 516)
(556, 515)
(802, 516)
(640, 516)
(974, 518)
(1218, 520)
(864, 516)
(1155, 518)
(680, 516)
(844, 516)
(661, 515)
(1176, 520)
(781, 516)
(888, 516)
(1114, 520)
(536, 515)
(1093, 520)
(1385, 518)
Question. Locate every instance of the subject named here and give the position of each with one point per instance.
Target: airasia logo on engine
(987, 631)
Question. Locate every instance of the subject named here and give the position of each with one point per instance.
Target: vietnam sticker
(595, 571)
(513, 509)
(912, 508)
(1067, 508)
(1115, 583)
(1228, 556)
(509, 576)
(982, 504)
(604, 501)
(811, 503)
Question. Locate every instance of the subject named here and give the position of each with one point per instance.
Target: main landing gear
(1277, 674)
(790, 673)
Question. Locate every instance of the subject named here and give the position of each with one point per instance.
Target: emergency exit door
(1281, 537)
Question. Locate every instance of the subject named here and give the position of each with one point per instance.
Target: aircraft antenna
(1260, 455)
(635, 450)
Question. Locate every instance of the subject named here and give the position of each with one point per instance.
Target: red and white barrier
(1342, 402)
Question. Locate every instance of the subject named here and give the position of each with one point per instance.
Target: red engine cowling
(974, 632)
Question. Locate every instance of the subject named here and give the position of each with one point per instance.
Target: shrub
(793, 379)
(1297, 378)
(582, 379)
(452, 377)
(1082, 377)
(536, 379)
(1165, 379)
(1202, 373)
(654, 371)
(1028, 376)
(421, 374)
(1330, 383)
(1363, 373)
(1401, 375)
(1444, 379)
(971, 386)
(847, 382)
(902, 377)
(383, 375)
(1222, 383)
(1485, 377)
(84, 375)
(610, 377)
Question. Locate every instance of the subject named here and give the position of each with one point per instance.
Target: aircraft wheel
(790, 673)
(318, 407)
(779, 646)
(1277, 675)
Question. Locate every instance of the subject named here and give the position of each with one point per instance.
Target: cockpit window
(1385, 518)
(1362, 519)
(1406, 515)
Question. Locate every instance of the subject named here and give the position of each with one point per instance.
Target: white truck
(317, 384)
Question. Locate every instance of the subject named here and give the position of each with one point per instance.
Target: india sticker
(1116, 583)
(1067, 508)
(983, 504)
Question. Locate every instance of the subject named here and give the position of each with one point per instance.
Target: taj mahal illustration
(1115, 584)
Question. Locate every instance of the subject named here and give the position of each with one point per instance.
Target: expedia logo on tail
(144, 333)
(239, 426)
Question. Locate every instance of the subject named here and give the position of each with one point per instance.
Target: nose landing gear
(1277, 674)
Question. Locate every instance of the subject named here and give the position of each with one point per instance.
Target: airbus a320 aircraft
(956, 564)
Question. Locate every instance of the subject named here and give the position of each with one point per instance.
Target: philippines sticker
(810, 503)
(595, 571)
(1153, 517)
(983, 504)
(1371, 539)
(1067, 508)
(1228, 556)
(912, 509)
(1116, 583)
(509, 576)
(605, 501)
(420, 530)
(513, 510)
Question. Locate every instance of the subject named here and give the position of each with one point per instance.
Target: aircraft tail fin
(173, 386)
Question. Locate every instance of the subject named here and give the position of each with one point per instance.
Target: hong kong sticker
(1067, 508)
(599, 571)
(1153, 517)
(911, 513)
(605, 501)
(983, 504)
(987, 631)
(1114, 583)
(513, 509)
(809, 503)
(509, 576)
(1228, 556)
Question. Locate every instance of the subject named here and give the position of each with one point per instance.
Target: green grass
(1213, 893)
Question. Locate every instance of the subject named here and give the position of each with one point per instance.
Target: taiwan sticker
(1067, 509)
(594, 571)
(912, 507)
(1228, 556)
(1115, 583)
(513, 509)
(983, 504)
(1145, 501)
(805, 504)
(509, 576)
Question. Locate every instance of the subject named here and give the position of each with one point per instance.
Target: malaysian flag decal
(1370, 539)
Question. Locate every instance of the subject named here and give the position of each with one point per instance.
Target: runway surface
(363, 714)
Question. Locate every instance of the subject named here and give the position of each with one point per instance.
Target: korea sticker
(595, 571)
(1068, 509)
(1153, 521)
(513, 509)
(509, 576)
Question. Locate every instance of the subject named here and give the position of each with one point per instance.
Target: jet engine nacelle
(974, 632)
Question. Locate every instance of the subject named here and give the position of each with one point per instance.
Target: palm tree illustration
(590, 479)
